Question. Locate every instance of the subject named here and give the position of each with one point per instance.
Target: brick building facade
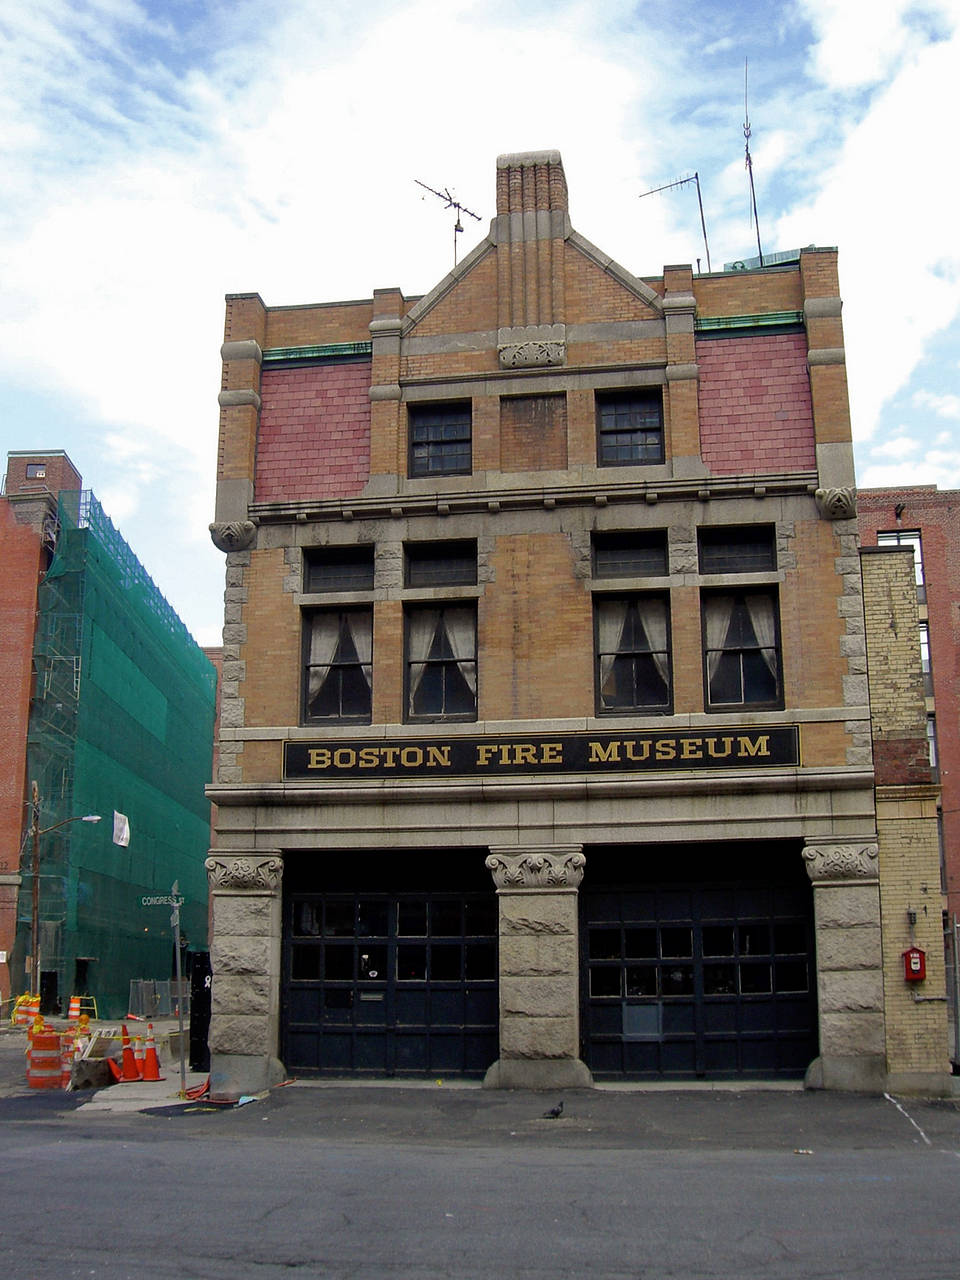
(545, 746)
(926, 520)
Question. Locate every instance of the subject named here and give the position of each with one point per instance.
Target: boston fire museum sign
(560, 753)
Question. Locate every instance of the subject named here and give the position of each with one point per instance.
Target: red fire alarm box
(914, 964)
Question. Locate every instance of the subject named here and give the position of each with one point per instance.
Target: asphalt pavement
(438, 1180)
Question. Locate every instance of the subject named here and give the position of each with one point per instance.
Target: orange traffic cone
(115, 1070)
(151, 1063)
(138, 1056)
(129, 1062)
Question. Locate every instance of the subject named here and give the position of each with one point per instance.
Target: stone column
(846, 901)
(245, 958)
(539, 968)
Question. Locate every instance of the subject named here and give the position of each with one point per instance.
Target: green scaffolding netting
(122, 721)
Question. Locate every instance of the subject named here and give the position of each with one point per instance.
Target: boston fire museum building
(545, 748)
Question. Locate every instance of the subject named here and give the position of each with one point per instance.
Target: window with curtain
(338, 670)
(629, 427)
(741, 645)
(441, 647)
(632, 654)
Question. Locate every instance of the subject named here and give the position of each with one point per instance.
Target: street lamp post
(36, 832)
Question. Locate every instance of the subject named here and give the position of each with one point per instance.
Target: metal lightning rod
(450, 204)
(694, 177)
(749, 161)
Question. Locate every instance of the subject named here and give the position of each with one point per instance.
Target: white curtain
(719, 611)
(653, 615)
(421, 628)
(462, 635)
(611, 618)
(324, 634)
(764, 623)
(361, 632)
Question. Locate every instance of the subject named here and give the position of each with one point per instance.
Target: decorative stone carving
(233, 535)
(837, 504)
(528, 355)
(841, 862)
(244, 872)
(559, 870)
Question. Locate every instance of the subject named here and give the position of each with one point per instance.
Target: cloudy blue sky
(158, 155)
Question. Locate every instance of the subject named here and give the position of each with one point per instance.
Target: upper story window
(36, 471)
(741, 649)
(441, 662)
(907, 538)
(632, 654)
(338, 665)
(440, 564)
(338, 569)
(629, 427)
(638, 553)
(745, 548)
(439, 439)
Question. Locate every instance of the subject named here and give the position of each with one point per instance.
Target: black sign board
(494, 755)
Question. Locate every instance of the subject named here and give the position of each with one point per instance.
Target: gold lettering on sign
(318, 758)
(761, 747)
(551, 752)
(666, 749)
(716, 754)
(600, 754)
(637, 751)
(691, 749)
(438, 756)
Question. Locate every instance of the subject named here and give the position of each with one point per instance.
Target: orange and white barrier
(43, 1061)
(25, 1010)
(74, 1011)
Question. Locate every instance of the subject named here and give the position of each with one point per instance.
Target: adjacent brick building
(545, 741)
(107, 706)
(926, 520)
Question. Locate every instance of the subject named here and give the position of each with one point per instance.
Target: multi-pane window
(632, 654)
(439, 439)
(747, 548)
(441, 662)
(925, 660)
(338, 670)
(629, 427)
(338, 569)
(905, 538)
(440, 564)
(741, 645)
(638, 553)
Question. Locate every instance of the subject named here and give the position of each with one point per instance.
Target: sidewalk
(124, 1097)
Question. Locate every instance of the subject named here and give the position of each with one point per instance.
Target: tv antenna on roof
(749, 161)
(693, 177)
(450, 204)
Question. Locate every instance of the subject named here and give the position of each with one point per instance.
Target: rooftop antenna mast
(693, 177)
(749, 161)
(450, 204)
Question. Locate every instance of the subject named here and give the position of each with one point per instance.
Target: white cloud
(900, 447)
(945, 406)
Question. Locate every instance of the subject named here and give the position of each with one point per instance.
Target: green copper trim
(326, 351)
(767, 320)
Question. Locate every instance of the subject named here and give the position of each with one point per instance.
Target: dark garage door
(387, 983)
(699, 977)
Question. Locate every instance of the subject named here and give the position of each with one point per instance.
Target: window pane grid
(439, 439)
(630, 429)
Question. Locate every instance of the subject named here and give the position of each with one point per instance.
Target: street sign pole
(175, 922)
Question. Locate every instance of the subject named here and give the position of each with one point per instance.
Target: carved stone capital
(233, 535)
(529, 355)
(244, 871)
(832, 862)
(837, 504)
(537, 869)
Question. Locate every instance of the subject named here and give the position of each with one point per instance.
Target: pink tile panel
(755, 409)
(314, 437)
